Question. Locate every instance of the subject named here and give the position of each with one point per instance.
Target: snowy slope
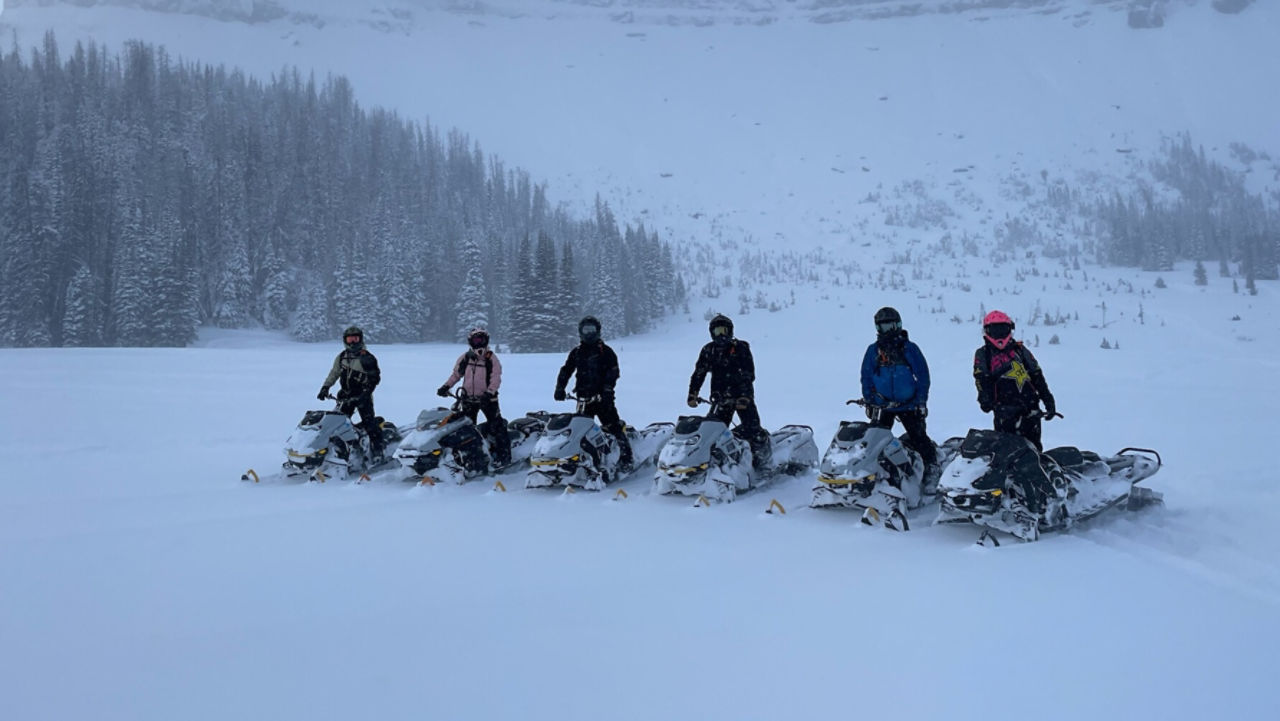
(772, 132)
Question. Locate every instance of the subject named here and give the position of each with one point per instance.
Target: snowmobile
(708, 460)
(867, 467)
(1001, 483)
(327, 445)
(575, 452)
(446, 446)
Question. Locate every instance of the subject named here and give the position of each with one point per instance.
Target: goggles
(720, 330)
(889, 326)
(479, 341)
(999, 330)
(351, 339)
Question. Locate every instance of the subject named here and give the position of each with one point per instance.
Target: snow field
(145, 581)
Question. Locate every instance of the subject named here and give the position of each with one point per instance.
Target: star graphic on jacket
(1018, 373)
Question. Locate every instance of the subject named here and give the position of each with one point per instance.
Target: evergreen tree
(81, 320)
(1202, 277)
(570, 300)
(472, 306)
(523, 302)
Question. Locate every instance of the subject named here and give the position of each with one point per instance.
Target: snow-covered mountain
(774, 130)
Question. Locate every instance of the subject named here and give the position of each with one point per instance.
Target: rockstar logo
(1018, 373)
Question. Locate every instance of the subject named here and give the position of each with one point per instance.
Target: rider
(1010, 382)
(895, 378)
(358, 372)
(596, 366)
(733, 375)
(1012, 386)
(481, 375)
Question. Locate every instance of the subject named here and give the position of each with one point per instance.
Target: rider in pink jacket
(481, 376)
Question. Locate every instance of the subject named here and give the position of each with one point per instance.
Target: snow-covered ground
(144, 580)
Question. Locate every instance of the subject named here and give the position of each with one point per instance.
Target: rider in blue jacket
(895, 377)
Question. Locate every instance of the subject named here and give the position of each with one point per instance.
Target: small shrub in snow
(1160, 282)
(1054, 340)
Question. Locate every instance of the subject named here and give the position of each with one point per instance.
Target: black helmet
(888, 321)
(721, 328)
(478, 338)
(589, 329)
(353, 337)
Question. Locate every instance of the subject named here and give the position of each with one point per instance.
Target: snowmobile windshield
(559, 421)
(688, 424)
(851, 431)
(999, 330)
(312, 418)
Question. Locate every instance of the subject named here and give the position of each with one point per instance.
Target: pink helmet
(998, 329)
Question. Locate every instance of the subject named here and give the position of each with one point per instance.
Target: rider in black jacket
(596, 367)
(733, 377)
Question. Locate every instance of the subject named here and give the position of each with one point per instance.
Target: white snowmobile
(999, 482)
(575, 452)
(446, 446)
(708, 460)
(867, 467)
(326, 445)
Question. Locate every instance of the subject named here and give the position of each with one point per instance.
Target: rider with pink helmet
(1010, 382)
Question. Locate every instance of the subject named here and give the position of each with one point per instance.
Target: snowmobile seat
(526, 426)
(1066, 456)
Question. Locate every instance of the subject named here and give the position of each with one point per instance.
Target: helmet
(888, 321)
(478, 338)
(589, 329)
(997, 328)
(721, 329)
(353, 337)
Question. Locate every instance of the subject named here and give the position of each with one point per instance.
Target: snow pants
(917, 437)
(363, 403)
(749, 428)
(497, 427)
(611, 423)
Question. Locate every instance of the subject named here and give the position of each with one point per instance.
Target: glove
(559, 394)
(986, 407)
(924, 412)
(443, 391)
(490, 395)
(1050, 409)
(692, 400)
(323, 394)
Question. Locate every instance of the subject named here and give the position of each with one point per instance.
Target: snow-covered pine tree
(82, 313)
(569, 300)
(523, 300)
(310, 321)
(545, 318)
(604, 296)
(472, 306)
